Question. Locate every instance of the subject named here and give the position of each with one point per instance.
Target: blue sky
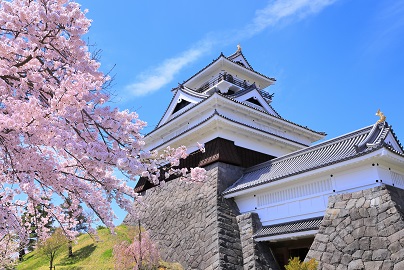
(336, 61)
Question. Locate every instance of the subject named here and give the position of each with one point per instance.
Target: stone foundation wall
(362, 230)
(191, 223)
(256, 255)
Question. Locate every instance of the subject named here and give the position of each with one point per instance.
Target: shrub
(296, 264)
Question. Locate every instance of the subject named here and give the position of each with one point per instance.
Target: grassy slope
(88, 254)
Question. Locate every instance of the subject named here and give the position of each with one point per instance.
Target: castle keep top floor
(228, 99)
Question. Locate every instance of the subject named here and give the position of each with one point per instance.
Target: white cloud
(163, 74)
(387, 28)
(272, 14)
(276, 11)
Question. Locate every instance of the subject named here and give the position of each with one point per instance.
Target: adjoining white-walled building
(285, 179)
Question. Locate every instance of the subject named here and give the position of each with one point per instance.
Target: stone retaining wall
(362, 230)
(192, 223)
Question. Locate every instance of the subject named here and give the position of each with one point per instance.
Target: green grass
(87, 253)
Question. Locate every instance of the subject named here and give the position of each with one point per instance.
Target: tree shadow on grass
(79, 255)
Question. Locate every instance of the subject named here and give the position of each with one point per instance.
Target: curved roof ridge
(374, 137)
(193, 92)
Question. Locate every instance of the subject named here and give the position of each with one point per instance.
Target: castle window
(181, 105)
(254, 101)
(240, 63)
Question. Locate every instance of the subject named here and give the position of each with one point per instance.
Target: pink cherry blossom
(58, 136)
(140, 254)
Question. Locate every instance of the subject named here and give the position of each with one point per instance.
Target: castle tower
(227, 107)
(267, 192)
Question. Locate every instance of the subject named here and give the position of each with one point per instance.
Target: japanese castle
(272, 193)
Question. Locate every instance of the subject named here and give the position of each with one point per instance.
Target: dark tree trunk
(70, 247)
(51, 257)
(21, 254)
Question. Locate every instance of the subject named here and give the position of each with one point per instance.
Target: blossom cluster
(58, 136)
(8, 251)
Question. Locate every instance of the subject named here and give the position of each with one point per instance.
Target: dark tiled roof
(277, 115)
(290, 227)
(324, 154)
(227, 58)
(231, 120)
(242, 103)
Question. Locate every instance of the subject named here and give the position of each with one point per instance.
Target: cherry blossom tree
(141, 254)
(8, 251)
(58, 136)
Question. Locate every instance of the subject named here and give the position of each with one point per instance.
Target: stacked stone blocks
(256, 255)
(192, 223)
(362, 230)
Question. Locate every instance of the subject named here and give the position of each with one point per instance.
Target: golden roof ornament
(238, 47)
(381, 115)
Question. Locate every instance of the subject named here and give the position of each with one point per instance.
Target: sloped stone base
(192, 223)
(362, 230)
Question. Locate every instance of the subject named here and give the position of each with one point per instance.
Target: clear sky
(335, 62)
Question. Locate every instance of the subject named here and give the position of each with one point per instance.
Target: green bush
(296, 264)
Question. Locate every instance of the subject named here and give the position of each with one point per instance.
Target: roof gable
(239, 58)
(254, 98)
(181, 101)
(223, 64)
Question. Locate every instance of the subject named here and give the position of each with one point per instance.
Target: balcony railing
(223, 77)
(244, 85)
